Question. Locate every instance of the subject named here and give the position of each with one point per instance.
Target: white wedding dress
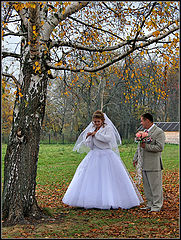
(101, 179)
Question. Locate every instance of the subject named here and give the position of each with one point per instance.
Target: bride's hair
(100, 115)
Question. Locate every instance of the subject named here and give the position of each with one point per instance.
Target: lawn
(56, 167)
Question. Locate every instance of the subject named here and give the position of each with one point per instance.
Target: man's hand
(142, 144)
(135, 163)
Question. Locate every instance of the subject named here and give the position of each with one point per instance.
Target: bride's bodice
(103, 139)
(107, 137)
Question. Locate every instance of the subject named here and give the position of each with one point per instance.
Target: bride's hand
(88, 134)
(93, 133)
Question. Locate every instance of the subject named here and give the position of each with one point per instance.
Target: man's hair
(147, 116)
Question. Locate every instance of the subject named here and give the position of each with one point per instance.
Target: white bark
(53, 21)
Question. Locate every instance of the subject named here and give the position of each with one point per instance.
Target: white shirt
(150, 127)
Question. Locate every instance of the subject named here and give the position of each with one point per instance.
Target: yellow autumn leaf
(38, 68)
(59, 63)
(32, 5)
(20, 94)
(176, 22)
(156, 33)
(149, 23)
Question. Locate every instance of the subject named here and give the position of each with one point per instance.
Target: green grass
(58, 162)
(56, 167)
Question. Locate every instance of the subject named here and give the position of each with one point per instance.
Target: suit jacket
(152, 152)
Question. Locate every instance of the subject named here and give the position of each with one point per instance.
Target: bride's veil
(80, 145)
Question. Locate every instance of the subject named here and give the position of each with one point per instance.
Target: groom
(152, 164)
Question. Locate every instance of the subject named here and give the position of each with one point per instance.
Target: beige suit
(152, 166)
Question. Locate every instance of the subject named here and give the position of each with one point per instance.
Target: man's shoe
(145, 208)
(154, 210)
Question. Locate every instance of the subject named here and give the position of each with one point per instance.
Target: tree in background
(57, 36)
(173, 95)
(124, 101)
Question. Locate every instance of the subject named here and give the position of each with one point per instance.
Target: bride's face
(98, 122)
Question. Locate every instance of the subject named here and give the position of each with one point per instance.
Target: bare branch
(100, 29)
(11, 33)
(14, 34)
(12, 21)
(13, 77)
(9, 54)
(87, 48)
(142, 24)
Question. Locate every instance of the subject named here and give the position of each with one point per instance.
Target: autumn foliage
(56, 168)
(132, 223)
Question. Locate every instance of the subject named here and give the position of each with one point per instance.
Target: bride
(101, 179)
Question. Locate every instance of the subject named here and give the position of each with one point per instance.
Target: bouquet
(142, 137)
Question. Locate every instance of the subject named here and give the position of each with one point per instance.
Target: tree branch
(11, 33)
(8, 54)
(117, 58)
(54, 20)
(104, 49)
(142, 24)
(100, 29)
(13, 77)
(82, 47)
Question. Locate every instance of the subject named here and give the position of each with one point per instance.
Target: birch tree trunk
(22, 152)
(20, 170)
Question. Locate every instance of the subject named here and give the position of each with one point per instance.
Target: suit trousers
(152, 184)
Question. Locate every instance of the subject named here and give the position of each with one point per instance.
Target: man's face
(145, 123)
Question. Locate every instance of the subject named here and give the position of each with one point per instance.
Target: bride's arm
(88, 141)
(105, 135)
